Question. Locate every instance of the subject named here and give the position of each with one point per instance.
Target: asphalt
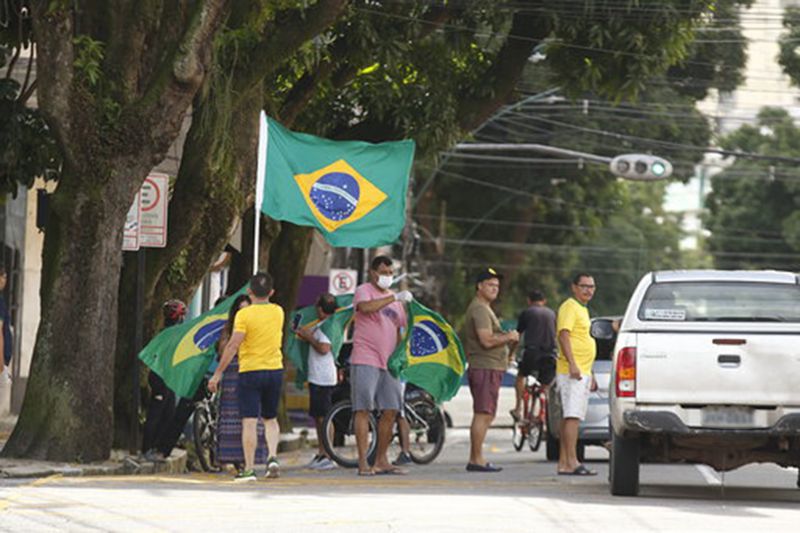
(442, 496)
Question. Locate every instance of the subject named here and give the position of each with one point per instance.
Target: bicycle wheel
(205, 437)
(518, 434)
(536, 426)
(339, 435)
(427, 430)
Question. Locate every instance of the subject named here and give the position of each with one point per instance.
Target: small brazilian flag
(430, 355)
(181, 354)
(353, 192)
(296, 349)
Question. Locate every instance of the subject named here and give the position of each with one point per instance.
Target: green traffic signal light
(658, 168)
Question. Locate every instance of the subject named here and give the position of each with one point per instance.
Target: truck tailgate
(701, 368)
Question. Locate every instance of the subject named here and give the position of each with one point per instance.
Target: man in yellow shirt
(574, 371)
(257, 337)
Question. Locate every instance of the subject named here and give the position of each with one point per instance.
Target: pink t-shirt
(375, 335)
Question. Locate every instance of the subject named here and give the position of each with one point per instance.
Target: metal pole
(528, 147)
(138, 341)
(530, 99)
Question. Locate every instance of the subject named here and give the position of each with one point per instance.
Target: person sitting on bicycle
(322, 375)
(538, 324)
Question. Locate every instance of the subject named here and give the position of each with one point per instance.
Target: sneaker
(154, 456)
(325, 464)
(314, 461)
(273, 468)
(244, 476)
(402, 459)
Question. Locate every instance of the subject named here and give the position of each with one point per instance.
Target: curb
(290, 442)
(24, 469)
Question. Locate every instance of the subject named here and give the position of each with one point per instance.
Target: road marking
(709, 474)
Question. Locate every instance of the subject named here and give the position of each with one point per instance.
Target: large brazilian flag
(181, 354)
(296, 349)
(353, 192)
(430, 355)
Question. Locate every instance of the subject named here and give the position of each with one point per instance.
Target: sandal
(579, 471)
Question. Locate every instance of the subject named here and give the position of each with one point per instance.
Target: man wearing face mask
(379, 318)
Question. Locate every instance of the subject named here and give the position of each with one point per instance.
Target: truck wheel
(551, 448)
(624, 465)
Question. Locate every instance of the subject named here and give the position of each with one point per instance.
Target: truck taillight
(626, 373)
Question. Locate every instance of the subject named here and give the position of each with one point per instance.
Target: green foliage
(88, 63)
(789, 56)
(716, 59)
(27, 148)
(613, 48)
(753, 208)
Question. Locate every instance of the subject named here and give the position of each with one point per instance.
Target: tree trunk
(75, 341)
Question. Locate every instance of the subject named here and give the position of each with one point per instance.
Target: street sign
(155, 198)
(130, 234)
(146, 222)
(342, 281)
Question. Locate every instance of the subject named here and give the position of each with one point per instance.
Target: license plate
(726, 417)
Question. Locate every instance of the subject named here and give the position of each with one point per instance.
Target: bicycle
(531, 425)
(426, 435)
(204, 430)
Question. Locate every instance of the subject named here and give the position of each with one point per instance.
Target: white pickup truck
(706, 370)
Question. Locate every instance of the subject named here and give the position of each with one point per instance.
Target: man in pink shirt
(379, 318)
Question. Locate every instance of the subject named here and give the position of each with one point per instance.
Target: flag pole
(263, 132)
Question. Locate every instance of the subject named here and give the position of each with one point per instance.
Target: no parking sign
(342, 281)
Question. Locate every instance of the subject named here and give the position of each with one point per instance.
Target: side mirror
(602, 329)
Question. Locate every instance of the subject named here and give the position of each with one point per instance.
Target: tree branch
(279, 44)
(52, 26)
(527, 30)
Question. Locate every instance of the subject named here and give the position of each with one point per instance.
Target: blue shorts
(259, 393)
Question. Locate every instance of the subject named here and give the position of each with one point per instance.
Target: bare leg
(405, 437)
(477, 434)
(249, 442)
(272, 434)
(385, 427)
(361, 425)
(519, 385)
(320, 447)
(568, 458)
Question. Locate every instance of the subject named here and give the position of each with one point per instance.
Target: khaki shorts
(574, 394)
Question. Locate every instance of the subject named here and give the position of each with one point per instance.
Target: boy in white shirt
(322, 375)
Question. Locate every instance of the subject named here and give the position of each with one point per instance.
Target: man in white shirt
(322, 375)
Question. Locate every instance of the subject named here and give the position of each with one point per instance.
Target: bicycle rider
(538, 324)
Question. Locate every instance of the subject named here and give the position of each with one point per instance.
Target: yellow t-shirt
(262, 325)
(574, 317)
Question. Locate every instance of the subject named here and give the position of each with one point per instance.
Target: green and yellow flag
(296, 349)
(430, 355)
(353, 192)
(181, 354)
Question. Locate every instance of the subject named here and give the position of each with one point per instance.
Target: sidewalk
(120, 463)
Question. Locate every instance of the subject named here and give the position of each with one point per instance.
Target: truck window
(721, 301)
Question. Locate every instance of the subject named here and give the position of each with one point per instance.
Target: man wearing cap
(487, 347)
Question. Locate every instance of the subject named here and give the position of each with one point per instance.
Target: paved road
(438, 497)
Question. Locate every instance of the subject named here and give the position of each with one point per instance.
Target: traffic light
(641, 167)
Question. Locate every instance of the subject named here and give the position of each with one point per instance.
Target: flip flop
(579, 471)
(488, 467)
(366, 473)
(391, 472)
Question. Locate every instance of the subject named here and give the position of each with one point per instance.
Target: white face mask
(384, 282)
